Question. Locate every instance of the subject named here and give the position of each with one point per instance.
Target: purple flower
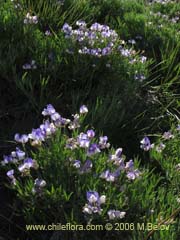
(118, 152)
(96, 27)
(92, 196)
(55, 116)
(110, 177)
(48, 111)
(90, 133)
(77, 164)
(18, 154)
(124, 52)
(91, 35)
(106, 51)
(65, 121)
(10, 174)
(116, 173)
(168, 135)
(129, 165)
(94, 202)
(146, 144)
(61, 122)
(21, 138)
(143, 59)
(115, 214)
(6, 160)
(133, 174)
(90, 209)
(67, 29)
(83, 140)
(105, 34)
(28, 163)
(106, 175)
(117, 158)
(47, 129)
(39, 184)
(95, 52)
(93, 149)
(83, 109)
(37, 135)
(103, 142)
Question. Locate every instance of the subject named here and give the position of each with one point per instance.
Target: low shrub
(65, 173)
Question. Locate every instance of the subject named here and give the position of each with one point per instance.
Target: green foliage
(122, 106)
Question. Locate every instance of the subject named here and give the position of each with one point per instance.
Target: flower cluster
(14, 157)
(84, 140)
(94, 206)
(173, 20)
(117, 159)
(168, 135)
(39, 135)
(92, 146)
(125, 51)
(23, 163)
(46, 129)
(130, 53)
(89, 145)
(94, 202)
(97, 40)
(29, 19)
